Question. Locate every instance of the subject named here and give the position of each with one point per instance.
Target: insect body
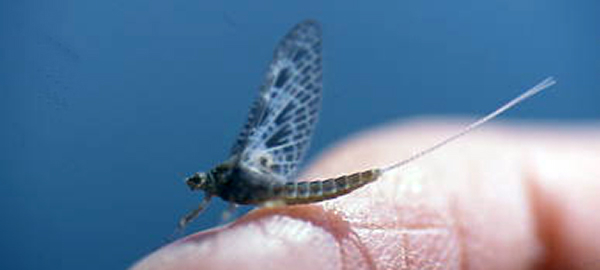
(264, 159)
(240, 186)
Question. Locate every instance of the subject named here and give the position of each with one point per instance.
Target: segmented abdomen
(316, 191)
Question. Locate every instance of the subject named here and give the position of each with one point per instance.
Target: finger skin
(501, 198)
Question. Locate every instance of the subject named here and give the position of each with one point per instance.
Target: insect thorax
(240, 186)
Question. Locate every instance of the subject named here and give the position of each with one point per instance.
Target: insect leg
(184, 221)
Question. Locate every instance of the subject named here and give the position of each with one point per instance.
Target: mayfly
(266, 155)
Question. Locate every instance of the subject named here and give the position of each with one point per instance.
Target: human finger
(480, 203)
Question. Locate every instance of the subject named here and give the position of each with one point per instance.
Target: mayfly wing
(282, 119)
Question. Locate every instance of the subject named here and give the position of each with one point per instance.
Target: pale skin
(503, 197)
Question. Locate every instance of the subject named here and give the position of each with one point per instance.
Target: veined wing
(277, 134)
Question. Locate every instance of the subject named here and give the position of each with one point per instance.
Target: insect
(265, 157)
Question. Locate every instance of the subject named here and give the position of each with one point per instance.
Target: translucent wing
(282, 119)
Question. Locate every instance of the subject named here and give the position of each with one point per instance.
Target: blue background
(104, 105)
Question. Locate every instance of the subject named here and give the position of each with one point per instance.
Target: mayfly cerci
(266, 155)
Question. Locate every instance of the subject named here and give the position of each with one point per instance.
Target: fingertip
(290, 238)
(474, 204)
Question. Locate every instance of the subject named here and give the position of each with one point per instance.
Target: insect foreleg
(184, 221)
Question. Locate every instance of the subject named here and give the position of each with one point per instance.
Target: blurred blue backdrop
(105, 105)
